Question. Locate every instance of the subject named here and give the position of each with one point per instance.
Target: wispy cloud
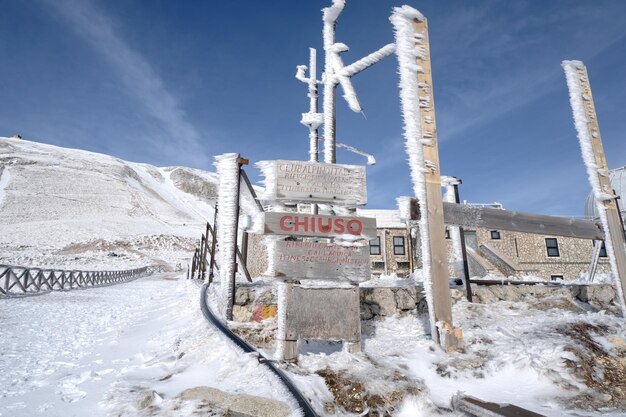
(505, 62)
(139, 77)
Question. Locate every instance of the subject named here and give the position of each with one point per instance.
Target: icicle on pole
(592, 150)
(418, 111)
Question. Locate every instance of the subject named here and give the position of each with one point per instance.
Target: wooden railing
(23, 280)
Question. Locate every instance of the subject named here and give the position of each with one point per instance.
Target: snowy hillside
(69, 208)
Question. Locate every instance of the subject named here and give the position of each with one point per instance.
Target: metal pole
(466, 273)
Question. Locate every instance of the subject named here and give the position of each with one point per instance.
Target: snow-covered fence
(22, 280)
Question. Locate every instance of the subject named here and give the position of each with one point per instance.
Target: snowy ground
(96, 351)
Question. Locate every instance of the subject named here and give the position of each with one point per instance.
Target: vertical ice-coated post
(457, 235)
(228, 166)
(418, 111)
(213, 246)
(588, 130)
(330, 15)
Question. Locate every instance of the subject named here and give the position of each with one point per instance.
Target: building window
(556, 277)
(495, 235)
(375, 246)
(603, 251)
(447, 233)
(552, 246)
(398, 245)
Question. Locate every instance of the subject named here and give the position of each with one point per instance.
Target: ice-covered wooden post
(418, 111)
(228, 167)
(586, 123)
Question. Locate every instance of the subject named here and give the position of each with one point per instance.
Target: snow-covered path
(93, 352)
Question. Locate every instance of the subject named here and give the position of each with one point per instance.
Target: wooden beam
(588, 129)
(472, 217)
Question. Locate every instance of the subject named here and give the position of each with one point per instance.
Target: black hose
(304, 404)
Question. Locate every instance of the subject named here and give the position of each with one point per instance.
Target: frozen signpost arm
(588, 130)
(418, 111)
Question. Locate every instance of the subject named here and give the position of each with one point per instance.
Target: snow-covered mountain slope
(71, 208)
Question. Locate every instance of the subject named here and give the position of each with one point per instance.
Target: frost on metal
(408, 52)
(581, 121)
(228, 173)
(455, 232)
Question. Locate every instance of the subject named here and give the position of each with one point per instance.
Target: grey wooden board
(303, 224)
(472, 217)
(299, 181)
(318, 260)
(323, 313)
(479, 408)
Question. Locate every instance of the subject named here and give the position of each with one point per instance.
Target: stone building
(494, 252)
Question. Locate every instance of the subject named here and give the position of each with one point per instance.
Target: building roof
(384, 218)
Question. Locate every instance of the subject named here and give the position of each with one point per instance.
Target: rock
(237, 405)
(145, 399)
(242, 295)
(242, 313)
(366, 312)
(406, 298)
(382, 298)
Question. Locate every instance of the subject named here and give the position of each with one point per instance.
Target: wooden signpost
(299, 181)
(326, 312)
(320, 260)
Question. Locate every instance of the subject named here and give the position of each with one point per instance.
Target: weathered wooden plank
(314, 225)
(319, 260)
(475, 407)
(340, 318)
(299, 181)
(473, 217)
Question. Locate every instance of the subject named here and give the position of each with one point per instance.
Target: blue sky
(174, 83)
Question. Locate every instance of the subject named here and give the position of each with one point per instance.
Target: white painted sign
(313, 225)
(319, 260)
(299, 181)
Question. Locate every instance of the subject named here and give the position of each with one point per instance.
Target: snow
(227, 216)
(5, 179)
(593, 170)
(94, 205)
(93, 352)
(402, 21)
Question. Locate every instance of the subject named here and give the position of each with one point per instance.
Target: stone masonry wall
(259, 301)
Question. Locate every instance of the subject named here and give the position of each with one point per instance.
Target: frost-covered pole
(228, 166)
(313, 120)
(330, 15)
(418, 111)
(457, 236)
(588, 130)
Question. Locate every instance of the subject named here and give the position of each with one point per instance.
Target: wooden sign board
(299, 181)
(320, 260)
(313, 225)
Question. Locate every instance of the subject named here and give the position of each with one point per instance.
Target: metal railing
(23, 280)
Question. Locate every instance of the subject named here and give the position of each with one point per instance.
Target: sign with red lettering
(317, 225)
(299, 181)
(319, 260)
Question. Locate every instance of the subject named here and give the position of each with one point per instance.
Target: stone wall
(254, 302)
